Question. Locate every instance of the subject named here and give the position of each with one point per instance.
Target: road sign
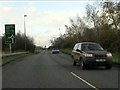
(10, 33)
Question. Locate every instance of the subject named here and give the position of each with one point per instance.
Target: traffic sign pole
(10, 47)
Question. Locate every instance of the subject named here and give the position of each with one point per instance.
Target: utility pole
(25, 30)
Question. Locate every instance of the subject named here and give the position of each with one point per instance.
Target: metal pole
(10, 48)
(25, 30)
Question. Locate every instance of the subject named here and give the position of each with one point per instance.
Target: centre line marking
(84, 81)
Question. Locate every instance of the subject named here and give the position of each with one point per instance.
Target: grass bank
(116, 56)
(66, 51)
(9, 58)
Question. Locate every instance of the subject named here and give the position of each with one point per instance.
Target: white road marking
(84, 81)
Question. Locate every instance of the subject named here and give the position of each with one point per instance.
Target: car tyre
(82, 65)
(108, 66)
(74, 63)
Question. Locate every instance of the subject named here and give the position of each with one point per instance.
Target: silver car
(55, 51)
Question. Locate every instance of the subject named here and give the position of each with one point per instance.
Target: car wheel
(108, 66)
(82, 65)
(74, 63)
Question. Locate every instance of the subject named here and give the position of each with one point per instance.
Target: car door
(74, 52)
(78, 52)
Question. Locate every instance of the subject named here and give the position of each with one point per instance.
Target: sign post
(10, 47)
(10, 35)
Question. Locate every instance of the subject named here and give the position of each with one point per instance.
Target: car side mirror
(78, 50)
(106, 49)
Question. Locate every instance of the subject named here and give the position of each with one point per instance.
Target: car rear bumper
(55, 52)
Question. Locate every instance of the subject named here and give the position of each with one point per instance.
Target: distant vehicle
(91, 54)
(55, 50)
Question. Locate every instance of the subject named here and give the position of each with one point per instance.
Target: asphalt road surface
(47, 70)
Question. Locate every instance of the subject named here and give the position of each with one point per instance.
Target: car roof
(87, 43)
(55, 48)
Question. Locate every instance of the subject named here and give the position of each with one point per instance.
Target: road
(47, 70)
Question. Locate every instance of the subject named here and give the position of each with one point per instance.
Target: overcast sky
(44, 18)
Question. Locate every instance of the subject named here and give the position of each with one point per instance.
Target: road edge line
(89, 84)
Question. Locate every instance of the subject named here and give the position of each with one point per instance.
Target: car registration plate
(100, 60)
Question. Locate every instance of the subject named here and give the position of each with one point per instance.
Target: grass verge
(116, 58)
(66, 51)
(8, 59)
